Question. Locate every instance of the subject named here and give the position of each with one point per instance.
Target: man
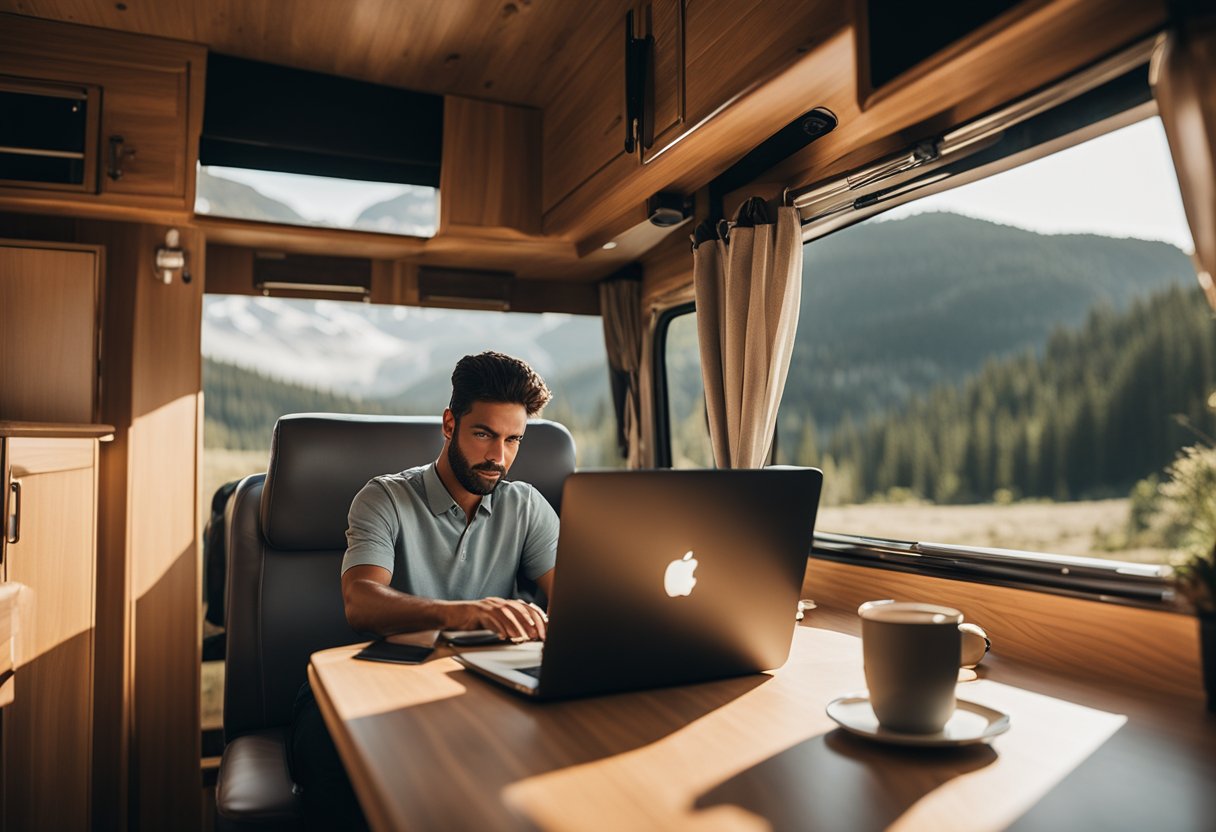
(439, 547)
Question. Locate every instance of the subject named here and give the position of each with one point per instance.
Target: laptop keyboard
(533, 671)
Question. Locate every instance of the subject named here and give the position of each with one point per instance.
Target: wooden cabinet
(704, 56)
(144, 153)
(584, 126)
(491, 166)
(726, 49)
(49, 545)
(50, 296)
(663, 22)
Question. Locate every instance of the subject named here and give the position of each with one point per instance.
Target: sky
(316, 198)
(1119, 185)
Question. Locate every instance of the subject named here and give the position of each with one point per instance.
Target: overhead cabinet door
(49, 332)
(584, 127)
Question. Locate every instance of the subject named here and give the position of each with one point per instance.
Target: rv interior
(573, 169)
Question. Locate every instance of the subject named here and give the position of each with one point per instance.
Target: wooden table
(432, 746)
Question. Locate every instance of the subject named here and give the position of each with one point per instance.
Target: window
(1023, 362)
(264, 357)
(685, 394)
(297, 199)
(293, 146)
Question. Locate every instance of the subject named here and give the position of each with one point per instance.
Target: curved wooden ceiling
(516, 51)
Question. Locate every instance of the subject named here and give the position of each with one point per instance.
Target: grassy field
(1077, 528)
(221, 466)
(1058, 528)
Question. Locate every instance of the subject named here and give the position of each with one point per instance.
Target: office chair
(285, 540)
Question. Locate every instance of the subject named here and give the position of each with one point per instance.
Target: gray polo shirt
(410, 525)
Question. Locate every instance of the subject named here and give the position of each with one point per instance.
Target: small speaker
(668, 208)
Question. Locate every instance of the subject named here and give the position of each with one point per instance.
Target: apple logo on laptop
(679, 580)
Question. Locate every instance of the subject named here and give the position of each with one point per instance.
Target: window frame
(1111, 94)
(1080, 110)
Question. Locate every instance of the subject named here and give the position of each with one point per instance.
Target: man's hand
(513, 620)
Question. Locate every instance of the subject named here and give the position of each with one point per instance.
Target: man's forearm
(372, 607)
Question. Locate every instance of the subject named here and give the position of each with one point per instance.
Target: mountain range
(413, 212)
(367, 351)
(888, 308)
(899, 306)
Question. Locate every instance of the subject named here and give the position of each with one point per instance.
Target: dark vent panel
(267, 117)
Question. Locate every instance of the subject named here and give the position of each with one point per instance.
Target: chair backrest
(287, 534)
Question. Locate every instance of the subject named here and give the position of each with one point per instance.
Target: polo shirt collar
(437, 497)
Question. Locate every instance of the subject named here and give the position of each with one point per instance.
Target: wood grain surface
(1111, 643)
(584, 124)
(491, 166)
(433, 746)
(50, 300)
(509, 51)
(48, 729)
(61, 429)
(162, 538)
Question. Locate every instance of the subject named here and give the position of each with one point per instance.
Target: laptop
(665, 578)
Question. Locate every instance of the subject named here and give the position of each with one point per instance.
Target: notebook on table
(667, 577)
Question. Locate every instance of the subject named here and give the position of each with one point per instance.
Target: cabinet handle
(13, 532)
(637, 68)
(119, 154)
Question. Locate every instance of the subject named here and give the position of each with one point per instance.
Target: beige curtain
(1184, 83)
(748, 288)
(621, 308)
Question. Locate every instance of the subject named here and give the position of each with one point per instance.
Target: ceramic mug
(911, 652)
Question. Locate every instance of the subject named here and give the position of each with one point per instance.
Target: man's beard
(466, 474)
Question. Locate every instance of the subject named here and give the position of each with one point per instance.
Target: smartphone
(387, 651)
(471, 637)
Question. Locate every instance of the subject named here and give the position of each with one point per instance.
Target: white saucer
(971, 723)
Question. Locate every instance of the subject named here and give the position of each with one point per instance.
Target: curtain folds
(748, 281)
(1182, 73)
(621, 309)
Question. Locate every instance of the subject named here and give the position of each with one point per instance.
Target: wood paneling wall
(146, 748)
(667, 271)
(162, 540)
(1125, 647)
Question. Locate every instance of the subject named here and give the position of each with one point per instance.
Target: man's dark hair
(495, 377)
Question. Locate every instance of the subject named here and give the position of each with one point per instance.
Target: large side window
(1023, 362)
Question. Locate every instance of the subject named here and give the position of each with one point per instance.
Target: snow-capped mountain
(378, 351)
